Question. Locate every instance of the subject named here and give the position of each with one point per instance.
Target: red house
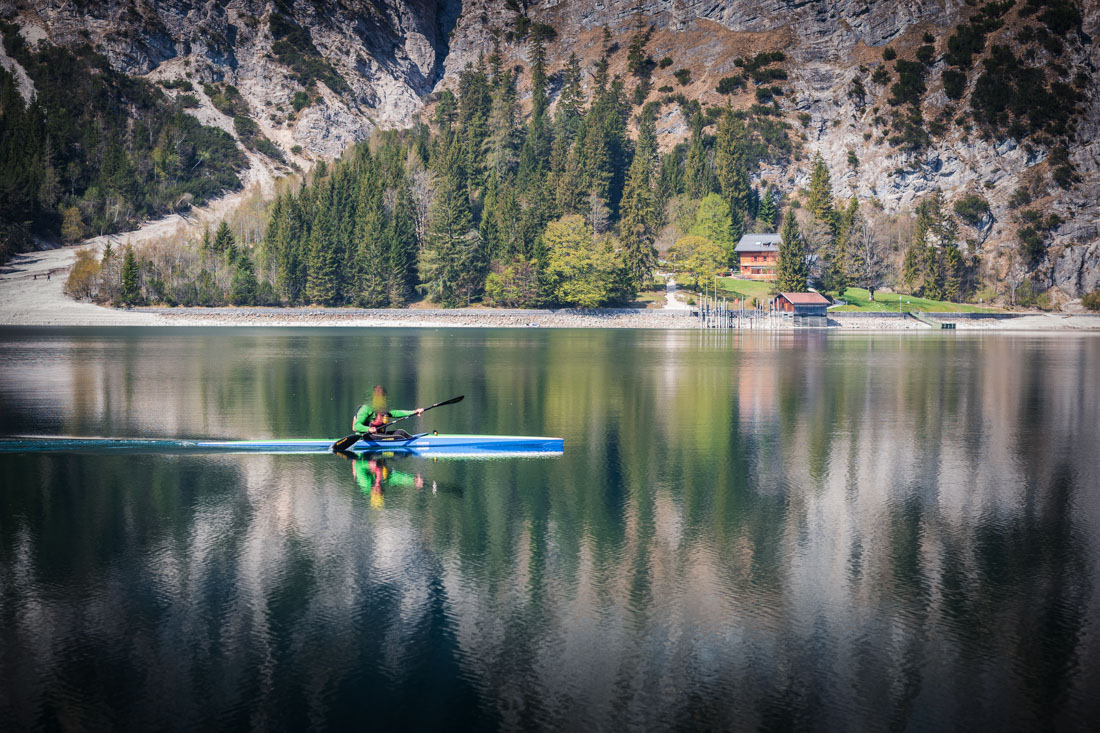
(758, 255)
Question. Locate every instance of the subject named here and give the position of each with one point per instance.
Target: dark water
(745, 532)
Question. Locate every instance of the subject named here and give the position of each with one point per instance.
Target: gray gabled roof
(759, 243)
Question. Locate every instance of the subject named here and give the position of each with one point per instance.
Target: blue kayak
(425, 444)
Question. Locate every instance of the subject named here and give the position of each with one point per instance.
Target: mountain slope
(900, 98)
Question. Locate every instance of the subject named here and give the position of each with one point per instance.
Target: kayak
(426, 444)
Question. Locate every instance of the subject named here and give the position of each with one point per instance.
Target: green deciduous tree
(712, 221)
(698, 257)
(580, 271)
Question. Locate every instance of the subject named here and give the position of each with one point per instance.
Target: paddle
(349, 440)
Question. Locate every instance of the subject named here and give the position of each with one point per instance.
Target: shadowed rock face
(391, 54)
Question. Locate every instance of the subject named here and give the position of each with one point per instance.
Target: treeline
(483, 205)
(97, 151)
(836, 247)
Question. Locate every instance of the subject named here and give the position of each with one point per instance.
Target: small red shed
(802, 304)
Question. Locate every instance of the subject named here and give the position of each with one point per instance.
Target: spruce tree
(698, 178)
(503, 120)
(372, 289)
(402, 248)
(731, 169)
(640, 216)
(130, 291)
(242, 289)
(820, 196)
(765, 219)
(792, 270)
(838, 261)
(475, 102)
(452, 245)
(224, 242)
(323, 281)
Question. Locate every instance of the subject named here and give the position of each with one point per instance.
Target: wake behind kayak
(421, 444)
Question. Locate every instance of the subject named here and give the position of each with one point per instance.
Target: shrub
(1091, 300)
(665, 62)
(300, 100)
(889, 53)
(666, 89)
(188, 101)
(928, 37)
(926, 53)
(880, 76)
(84, 277)
(683, 76)
(181, 84)
(910, 84)
(954, 83)
(730, 84)
(972, 209)
(1032, 247)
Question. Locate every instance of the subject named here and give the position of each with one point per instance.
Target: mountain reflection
(746, 530)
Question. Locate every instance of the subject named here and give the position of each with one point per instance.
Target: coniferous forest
(488, 202)
(96, 151)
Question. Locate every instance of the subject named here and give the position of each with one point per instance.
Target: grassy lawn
(732, 287)
(860, 300)
(649, 299)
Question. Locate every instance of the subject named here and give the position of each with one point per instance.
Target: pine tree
(130, 292)
(792, 270)
(640, 216)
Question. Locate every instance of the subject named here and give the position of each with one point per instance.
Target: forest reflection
(767, 530)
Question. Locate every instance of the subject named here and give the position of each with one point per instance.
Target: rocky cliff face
(380, 60)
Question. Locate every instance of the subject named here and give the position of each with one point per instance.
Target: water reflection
(745, 531)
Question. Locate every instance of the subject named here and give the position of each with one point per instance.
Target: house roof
(805, 298)
(759, 243)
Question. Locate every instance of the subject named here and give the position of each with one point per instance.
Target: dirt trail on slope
(31, 284)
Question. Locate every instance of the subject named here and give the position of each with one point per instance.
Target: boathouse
(808, 309)
(758, 255)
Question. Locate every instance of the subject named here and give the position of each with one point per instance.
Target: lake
(770, 530)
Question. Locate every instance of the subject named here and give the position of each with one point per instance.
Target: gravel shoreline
(562, 318)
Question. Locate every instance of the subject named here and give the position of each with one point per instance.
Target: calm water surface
(777, 531)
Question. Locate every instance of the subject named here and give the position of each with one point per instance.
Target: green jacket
(366, 414)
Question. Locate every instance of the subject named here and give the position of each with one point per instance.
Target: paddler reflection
(373, 475)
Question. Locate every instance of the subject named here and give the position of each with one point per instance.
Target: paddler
(372, 417)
